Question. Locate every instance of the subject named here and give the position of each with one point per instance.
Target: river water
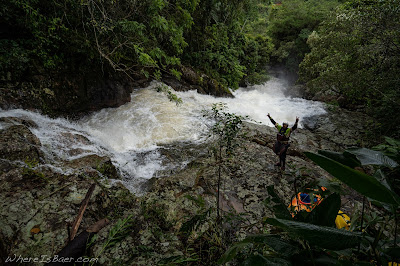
(132, 134)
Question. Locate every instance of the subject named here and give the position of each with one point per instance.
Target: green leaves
(171, 96)
(360, 156)
(227, 126)
(192, 223)
(275, 203)
(128, 26)
(291, 23)
(220, 43)
(231, 253)
(121, 229)
(356, 39)
(278, 245)
(88, 34)
(391, 148)
(343, 158)
(371, 157)
(362, 183)
(322, 236)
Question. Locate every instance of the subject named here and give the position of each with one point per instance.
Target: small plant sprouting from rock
(227, 129)
(116, 234)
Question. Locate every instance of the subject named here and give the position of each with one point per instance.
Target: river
(132, 134)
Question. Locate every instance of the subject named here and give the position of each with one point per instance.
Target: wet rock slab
(37, 196)
(101, 164)
(17, 142)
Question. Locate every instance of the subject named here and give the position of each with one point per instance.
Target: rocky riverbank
(175, 220)
(77, 93)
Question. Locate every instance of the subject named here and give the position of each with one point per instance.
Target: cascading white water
(131, 134)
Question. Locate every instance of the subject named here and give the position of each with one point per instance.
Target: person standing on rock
(282, 140)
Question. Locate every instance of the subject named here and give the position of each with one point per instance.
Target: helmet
(285, 123)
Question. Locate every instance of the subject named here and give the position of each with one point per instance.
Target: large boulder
(94, 162)
(76, 93)
(338, 129)
(17, 142)
(69, 93)
(191, 80)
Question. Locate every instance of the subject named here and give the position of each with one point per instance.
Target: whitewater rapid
(132, 134)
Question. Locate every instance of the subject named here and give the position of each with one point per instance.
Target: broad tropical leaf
(325, 213)
(260, 260)
(280, 246)
(275, 242)
(381, 177)
(232, 252)
(275, 203)
(391, 148)
(343, 158)
(367, 157)
(393, 142)
(363, 183)
(322, 236)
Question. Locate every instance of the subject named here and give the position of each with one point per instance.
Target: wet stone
(171, 201)
(17, 142)
(102, 164)
(18, 121)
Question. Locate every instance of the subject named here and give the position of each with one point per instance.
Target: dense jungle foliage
(290, 24)
(350, 49)
(149, 37)
(356, 54)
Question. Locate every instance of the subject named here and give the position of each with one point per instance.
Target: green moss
(31, 172)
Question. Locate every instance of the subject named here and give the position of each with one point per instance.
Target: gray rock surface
(37, 203)
(17, 142)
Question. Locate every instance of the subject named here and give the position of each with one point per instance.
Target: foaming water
(259, 100)
(132, 134)
(148, 121)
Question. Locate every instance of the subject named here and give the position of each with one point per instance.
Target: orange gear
(302, 202)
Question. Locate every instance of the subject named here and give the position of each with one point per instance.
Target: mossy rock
(102, 164)
(17, 142)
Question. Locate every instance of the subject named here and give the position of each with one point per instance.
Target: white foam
(131, 134)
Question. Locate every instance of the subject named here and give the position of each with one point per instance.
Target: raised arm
(272, 120)
(295, 124)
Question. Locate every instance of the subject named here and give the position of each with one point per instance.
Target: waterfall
(132, 134)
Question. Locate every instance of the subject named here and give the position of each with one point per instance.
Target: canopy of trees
(290, 24)
(148, 37)
(356, 53)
